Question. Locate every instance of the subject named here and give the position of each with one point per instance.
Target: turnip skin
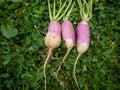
(52, 41)
(53, 36)
(83, 37)
(68, 34)
(55, 27)
(68, 31)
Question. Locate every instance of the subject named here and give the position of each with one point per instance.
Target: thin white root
(45, 64)
(74, 69)
(68, 51)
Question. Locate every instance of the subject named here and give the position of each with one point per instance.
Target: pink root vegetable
(53, 37)
(83, 32)
(83, 41)
(83, 37)
(52, 40)
(68, 34)
(69, 38)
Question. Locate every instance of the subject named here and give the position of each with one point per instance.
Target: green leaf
(7, 60)
(42, 8)
(9, 31)
(2, 1)
(96, 1)
(16, 0)
(19, 58)
(84, 68)
(26, 75)
(4, 75)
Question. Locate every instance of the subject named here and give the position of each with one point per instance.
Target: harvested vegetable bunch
(53, 37)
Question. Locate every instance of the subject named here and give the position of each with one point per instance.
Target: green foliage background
(23, 25)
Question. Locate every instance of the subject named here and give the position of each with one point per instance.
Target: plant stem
(85, 9)
(90, 9)
(60, 4)
(68, 14)
(80, 6)
(54, 9)
(60, 10)
(65, 10)
(50, 14)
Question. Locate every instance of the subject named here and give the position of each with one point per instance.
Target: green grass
(22, 54)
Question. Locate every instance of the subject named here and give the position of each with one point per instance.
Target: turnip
(83, 32)
(68, 36)
(53, 37)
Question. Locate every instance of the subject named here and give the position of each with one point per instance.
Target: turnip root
(69, 38)
(67, 35)
(83, 41)
(83, 31)
(53, 37)
(52, 40)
